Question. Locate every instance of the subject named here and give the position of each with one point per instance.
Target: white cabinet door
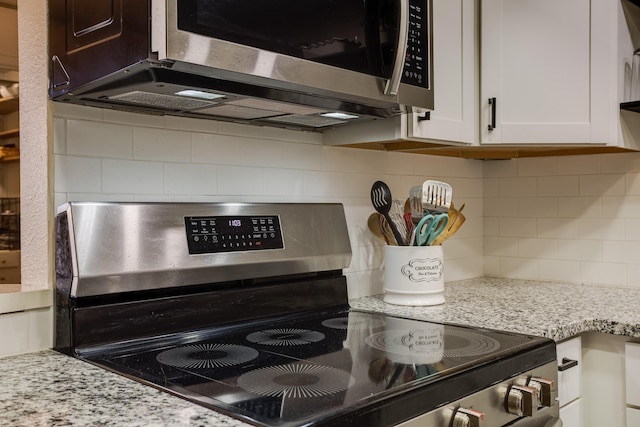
(455, 116)
(569, 370)
(632, 372)
(550, 66)
(571, 414)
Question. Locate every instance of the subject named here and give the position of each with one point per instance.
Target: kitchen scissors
(430, 227)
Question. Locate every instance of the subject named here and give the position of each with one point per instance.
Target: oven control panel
(215, 234)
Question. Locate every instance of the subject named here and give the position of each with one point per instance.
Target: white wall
(571, 219)
(107, 155)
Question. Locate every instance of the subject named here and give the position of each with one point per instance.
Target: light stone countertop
(51, 389)
(555, 310)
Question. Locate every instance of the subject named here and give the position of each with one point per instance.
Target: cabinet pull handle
(493, 102)
(425, 116)
(567, 364)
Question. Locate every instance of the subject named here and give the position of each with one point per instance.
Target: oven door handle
(393, 84)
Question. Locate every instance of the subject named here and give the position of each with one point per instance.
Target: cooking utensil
(430, 227)
(415, 201)
(373, 222)
(436, 196)
(382, 202)
(456, 219)
(396, 213)
(386, 230)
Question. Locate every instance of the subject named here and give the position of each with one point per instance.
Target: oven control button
(465, 417)
(522, 401)
(546, 390)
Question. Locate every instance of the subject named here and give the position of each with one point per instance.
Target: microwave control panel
(215, 234)
(416, 67)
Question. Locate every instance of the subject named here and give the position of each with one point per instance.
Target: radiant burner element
(284, 337)
(297, 380)
(417, 342)
(205, 356)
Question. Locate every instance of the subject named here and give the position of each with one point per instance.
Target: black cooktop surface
(326, 368)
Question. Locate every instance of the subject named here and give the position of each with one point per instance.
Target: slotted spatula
(436, 196)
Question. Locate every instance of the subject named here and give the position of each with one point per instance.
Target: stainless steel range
(242, 308)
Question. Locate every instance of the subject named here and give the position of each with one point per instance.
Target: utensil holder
(414, 275)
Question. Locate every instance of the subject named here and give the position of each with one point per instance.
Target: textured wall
(36, 208)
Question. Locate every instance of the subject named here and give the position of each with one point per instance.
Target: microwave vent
(311, 121)
(158, 100)
(237, 112)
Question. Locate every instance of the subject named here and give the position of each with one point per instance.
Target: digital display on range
(214, 234)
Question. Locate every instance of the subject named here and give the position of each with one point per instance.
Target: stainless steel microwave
(311, 64)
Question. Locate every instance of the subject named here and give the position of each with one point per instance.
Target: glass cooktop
(309, 370)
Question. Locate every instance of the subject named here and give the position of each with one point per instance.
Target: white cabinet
(570, 382)
(455, 117)
(550, 66)
(632, 382)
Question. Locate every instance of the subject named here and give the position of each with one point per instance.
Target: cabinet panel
(632, 369)
(571, 414)
(569, 380)
(633, 417)
(455, 117)
(549, 64)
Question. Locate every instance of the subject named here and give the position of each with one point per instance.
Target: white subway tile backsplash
(500, 168)
(519, 187)
(601, 228)
(533, 248)
(558, 186)
(559, 270)
(283, 182)
(521, 268)
(558, 228)
(603, 273)
(324, 185)
(59, 136)
(632, 184)
(399, 163)
(602, 185)
(621, 251)
(161, 145)
(124, 176)
(498, 207)
(193, 179)
(615, 163)
(77, 174)
(538, 207)
(303, 156)
(371, 161)
(338, 159)
(580, 207)
(518, 227)
(262, 153)
(578, 165)
(95, 139)
(538, 166)
(240, 181)
(556, 218)
(216, 149)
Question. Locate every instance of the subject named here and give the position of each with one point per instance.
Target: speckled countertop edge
(554, 310)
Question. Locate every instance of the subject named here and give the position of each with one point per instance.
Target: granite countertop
(51, 389)
(555, 310)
